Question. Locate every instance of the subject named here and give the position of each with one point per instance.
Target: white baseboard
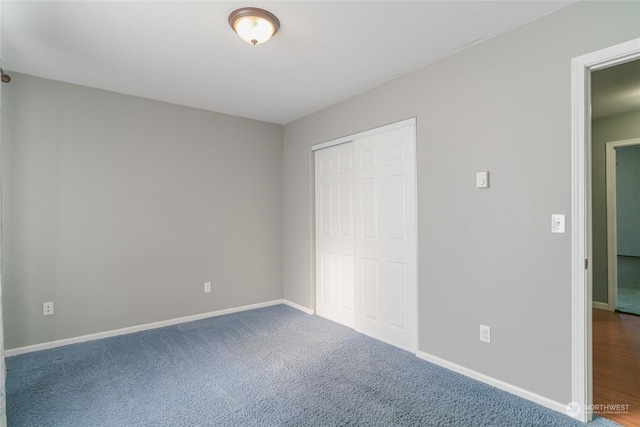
(510, 388)
(556, 406)
(601, 305)
(298, 307)
(146, 326)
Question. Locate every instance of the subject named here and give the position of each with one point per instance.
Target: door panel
(326, 277)
(346, 209)
(386, 237)
(326, 210)
(370, 288)
(334, 234)
(346, 283)
(396, 205)
(397, 294)
(368, 198)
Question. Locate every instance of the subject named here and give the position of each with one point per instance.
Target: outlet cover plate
(485, 334)
(47, 308)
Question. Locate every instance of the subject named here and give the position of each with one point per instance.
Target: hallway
(616, 365)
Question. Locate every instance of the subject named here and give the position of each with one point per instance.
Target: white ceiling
(186, 53)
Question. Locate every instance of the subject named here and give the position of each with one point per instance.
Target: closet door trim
(364, 134)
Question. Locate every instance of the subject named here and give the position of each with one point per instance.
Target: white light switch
(482, 179)
(557, 223)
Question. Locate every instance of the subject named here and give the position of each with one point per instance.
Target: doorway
(616, 229)
(582, 247)
(365, 205)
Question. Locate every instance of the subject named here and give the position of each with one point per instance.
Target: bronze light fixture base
(254, 25)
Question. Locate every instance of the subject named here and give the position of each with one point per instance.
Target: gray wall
(615, 128)
(119, 208)
(628, 200)
(485, 257)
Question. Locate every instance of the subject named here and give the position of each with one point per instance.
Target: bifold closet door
(365, 198)
(334, 234)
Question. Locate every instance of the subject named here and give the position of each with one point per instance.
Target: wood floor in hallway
(616, 365)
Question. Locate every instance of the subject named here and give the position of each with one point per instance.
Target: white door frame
(581, 243)
(612, 219)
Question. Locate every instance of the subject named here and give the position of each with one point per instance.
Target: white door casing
(581, 244)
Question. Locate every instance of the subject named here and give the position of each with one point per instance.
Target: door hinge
(586, 263)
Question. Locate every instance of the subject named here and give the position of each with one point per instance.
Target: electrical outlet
(485, 333)
(207, 287)
(47, 308)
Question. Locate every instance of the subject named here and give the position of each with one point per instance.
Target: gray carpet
(628, 285)
(268, 367)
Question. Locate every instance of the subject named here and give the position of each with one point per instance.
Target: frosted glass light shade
(254, 25)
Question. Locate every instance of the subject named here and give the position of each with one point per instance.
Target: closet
(365, 213)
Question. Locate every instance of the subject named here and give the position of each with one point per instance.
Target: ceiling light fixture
(254, 25)
(6, 78)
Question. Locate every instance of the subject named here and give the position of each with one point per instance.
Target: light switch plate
(557, 223)
(482, 179)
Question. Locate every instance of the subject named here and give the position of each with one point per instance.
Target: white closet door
(385, 237)
(334, 234)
